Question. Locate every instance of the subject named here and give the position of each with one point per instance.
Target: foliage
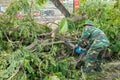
(106, 17)
(43, 61)
(21, 30)
(20, 4)
(63, 28)
(41, 2)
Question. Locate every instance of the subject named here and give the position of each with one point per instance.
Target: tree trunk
(59, 5)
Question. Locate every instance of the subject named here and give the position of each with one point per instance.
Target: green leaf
(28, 66)
(41, 2)
(63, 28)
(24, 76)
(53, 78)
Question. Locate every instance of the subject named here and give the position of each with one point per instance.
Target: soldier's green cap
(88, 22)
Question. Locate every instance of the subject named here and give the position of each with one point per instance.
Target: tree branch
(79, 18)
(33, 45)
(59, 5)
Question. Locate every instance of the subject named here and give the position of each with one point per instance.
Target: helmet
(89, 23)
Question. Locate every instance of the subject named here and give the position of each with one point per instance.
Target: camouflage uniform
(98, 42)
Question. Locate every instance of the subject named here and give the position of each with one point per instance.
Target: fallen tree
(27, 50)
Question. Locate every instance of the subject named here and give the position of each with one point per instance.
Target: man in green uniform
(98, 42)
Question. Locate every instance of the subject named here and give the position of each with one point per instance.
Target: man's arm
(84, 36)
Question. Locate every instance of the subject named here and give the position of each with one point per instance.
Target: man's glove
(79, 50)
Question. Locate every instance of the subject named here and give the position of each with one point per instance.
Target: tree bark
(59, 5)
